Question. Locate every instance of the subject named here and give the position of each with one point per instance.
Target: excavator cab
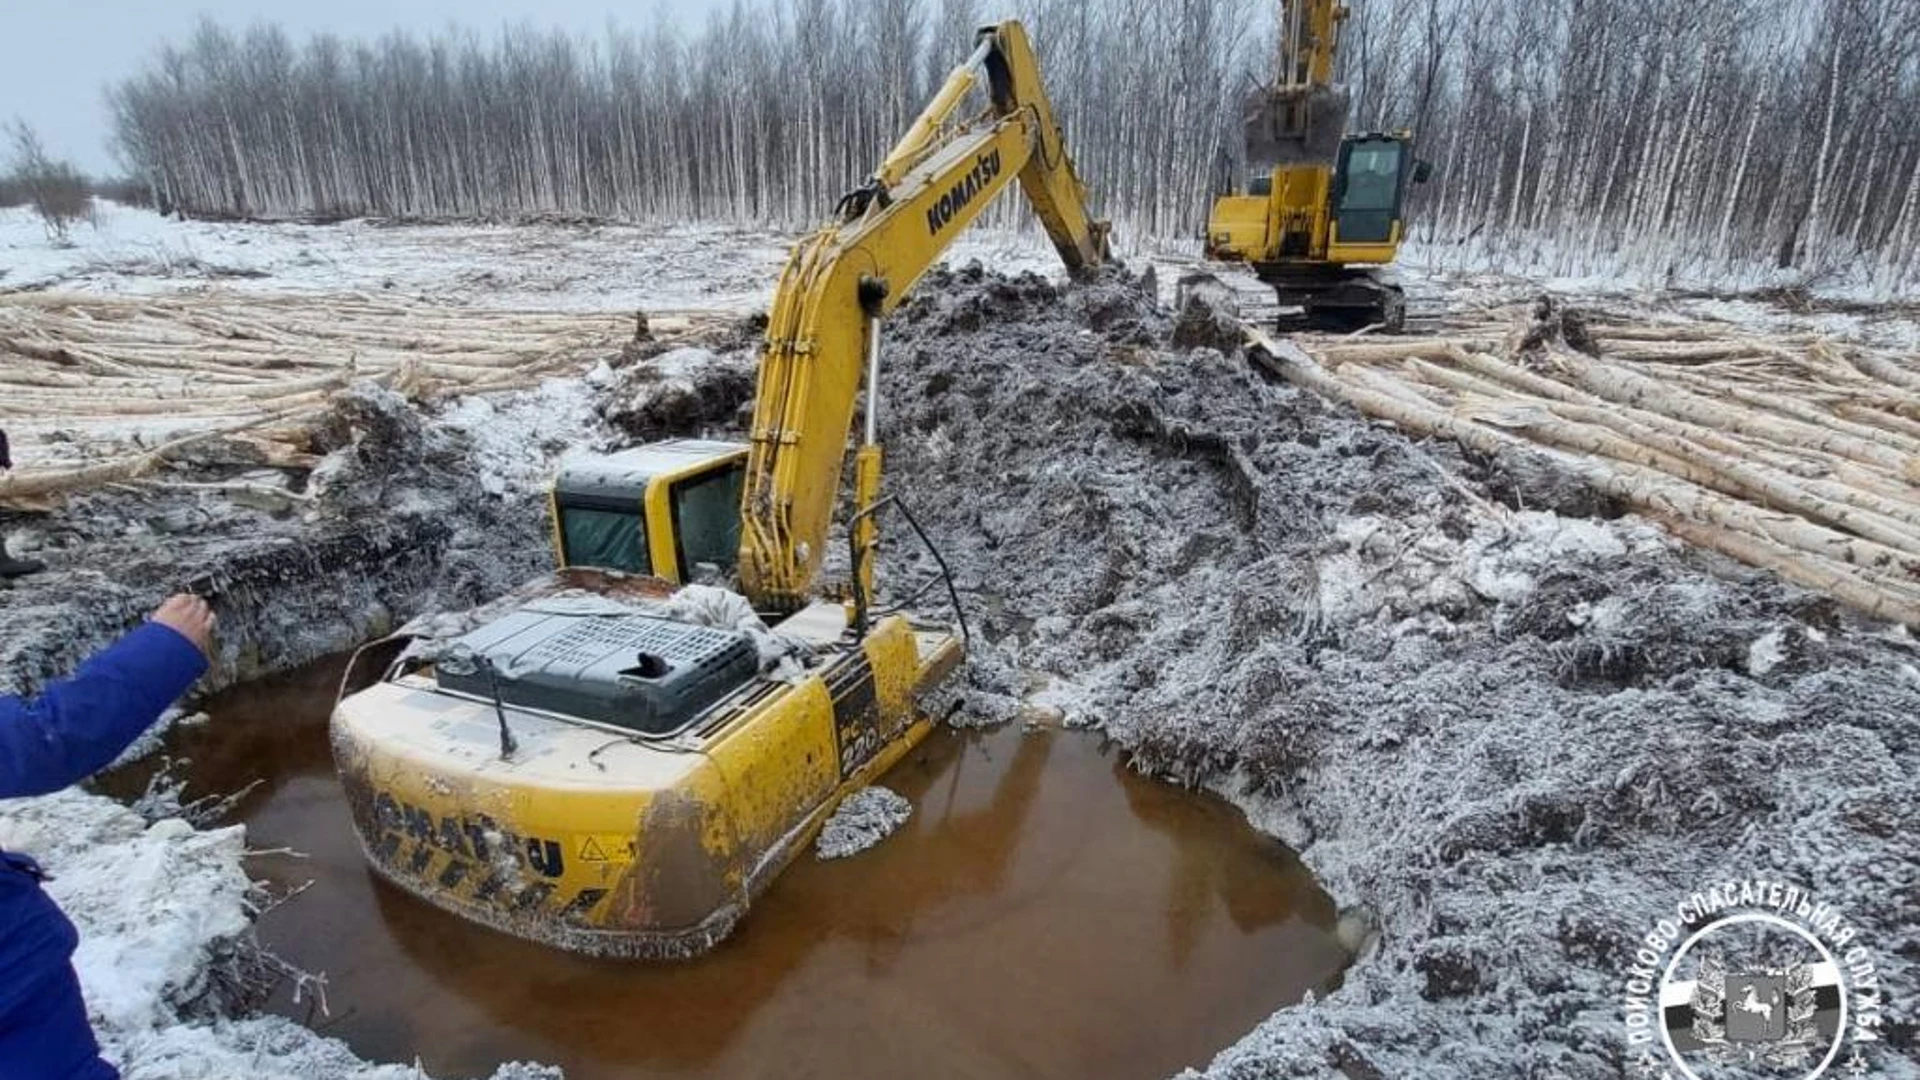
(1369, 188)
(666, 509)
(1314, 230)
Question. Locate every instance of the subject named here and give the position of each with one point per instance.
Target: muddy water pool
(1047, 912)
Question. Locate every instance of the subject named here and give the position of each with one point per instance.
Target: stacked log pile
(106, 389)
(1797, 454)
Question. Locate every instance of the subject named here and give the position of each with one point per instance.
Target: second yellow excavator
(617, 761)
(1320, 211)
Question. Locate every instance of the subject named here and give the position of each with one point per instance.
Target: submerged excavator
(1318, 212)
(614, 760)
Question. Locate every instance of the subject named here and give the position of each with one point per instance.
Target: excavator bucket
(1294, 126)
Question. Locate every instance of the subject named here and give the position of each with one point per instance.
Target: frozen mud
(1508, 740)
(862, 820)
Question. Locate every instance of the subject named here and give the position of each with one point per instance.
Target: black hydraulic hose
(860, 598)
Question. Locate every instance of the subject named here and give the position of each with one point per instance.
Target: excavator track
(1255, 303)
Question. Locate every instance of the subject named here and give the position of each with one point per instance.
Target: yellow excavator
(615, 760)
(1320, 210)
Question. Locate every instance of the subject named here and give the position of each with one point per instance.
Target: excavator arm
(1309, 41)
(823, 332)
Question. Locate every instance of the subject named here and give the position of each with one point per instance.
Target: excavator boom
(823, 331)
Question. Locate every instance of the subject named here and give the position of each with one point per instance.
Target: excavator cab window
(706, 518)
(604, 533)
(1368, 190)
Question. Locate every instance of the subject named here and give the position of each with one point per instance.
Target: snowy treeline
(1682, 136)
(769, 112)
(1734, 131)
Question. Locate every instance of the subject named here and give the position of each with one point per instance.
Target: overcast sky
(57, 57)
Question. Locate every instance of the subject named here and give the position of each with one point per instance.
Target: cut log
(1628, 388)
(1871, 577)
(1733, 476)
(1883, 369)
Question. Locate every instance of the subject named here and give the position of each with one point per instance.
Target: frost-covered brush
(165, 797)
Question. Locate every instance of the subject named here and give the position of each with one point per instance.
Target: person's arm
(79, 725)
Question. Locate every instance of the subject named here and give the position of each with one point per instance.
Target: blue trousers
(44, 1033)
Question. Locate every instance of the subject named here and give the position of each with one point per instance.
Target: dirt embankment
(1508, 738)
(402, 513)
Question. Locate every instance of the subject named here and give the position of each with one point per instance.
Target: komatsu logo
(472, 838)
(985, 168)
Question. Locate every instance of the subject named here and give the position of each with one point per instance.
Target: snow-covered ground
(560, 267)
(706, 266)
(694, 267)
(1649, 263)
(160, 907)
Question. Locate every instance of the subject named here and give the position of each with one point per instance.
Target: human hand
(190, 617)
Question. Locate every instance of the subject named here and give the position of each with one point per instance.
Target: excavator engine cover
(645, 674)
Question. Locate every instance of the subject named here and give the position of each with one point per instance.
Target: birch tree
(1570, 135)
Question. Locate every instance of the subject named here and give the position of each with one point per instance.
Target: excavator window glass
(1369, 190)
(706, 518)
(609, 537)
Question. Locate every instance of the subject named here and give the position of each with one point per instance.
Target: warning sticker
(603, 849)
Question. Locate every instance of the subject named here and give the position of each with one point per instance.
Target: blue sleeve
(77, 726)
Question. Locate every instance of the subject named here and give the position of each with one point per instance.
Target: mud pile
(680, 392)
(1508, 739)
(407, 509)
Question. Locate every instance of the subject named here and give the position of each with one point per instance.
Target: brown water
(1046, 913)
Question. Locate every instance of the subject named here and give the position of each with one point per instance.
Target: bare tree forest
(57, 192)
(1577, 133)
